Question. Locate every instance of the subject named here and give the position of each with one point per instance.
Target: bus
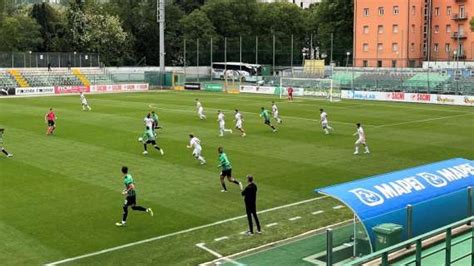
(235, 70)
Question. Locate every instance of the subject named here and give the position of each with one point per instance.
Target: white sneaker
(145, 153)
(356, 153)
(230, 131)
(275, 130)
(249, 233)
(241, 186)
(223, 190)
(120, 224)
(203, 162)
(367, 152)
(221, 135)
(10, 155)
(243, 135)
(150, 211)
(162, 152)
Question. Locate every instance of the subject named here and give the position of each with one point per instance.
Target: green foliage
(472, 24)
(19, 33)
(53, 26)
(197, 26)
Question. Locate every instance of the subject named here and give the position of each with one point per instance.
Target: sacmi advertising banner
(466, 100)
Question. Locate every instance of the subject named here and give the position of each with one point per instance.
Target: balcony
(459, 35)
(460, 56)
(461, 1)
(460, 16)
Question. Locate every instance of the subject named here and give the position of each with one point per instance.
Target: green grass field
(61, 195)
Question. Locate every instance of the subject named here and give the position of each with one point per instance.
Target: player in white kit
(196, 144)
(200, 110)
(149, 122)
(220, 119)
(360, 140)
(324, 121)
(239, 122)
(84, 102)
(275, 113)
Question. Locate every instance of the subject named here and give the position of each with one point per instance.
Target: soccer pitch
(61, 194)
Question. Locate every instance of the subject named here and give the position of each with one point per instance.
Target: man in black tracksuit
(250, 198)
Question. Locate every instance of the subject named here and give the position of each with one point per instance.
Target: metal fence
(37, 59)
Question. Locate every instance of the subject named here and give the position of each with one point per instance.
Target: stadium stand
(7, 81)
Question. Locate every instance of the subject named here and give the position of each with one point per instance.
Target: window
(436, 28)
(394, 47)
(366, 12)
(447, 48)
(366, 29)
(412, 28)
(380, 46)
(379, 63)
(395, 28)
(380, 29)
(301, 4)
(436, 47)
(413, 10)
(412, 47)
(394, 63)
(448, 10)
(448, 28)
(366, 63)
(381, 11)
(436, 11)
(396, 10)
(366, 47)
(462, 12)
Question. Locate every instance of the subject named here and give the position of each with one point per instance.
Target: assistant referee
(250, 198)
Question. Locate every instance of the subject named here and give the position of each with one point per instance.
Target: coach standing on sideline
(250, 198)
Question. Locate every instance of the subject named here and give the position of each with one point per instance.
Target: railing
(460, 16)
(458, 35)
(417, 241)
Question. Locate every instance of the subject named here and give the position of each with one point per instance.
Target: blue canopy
(383, 198)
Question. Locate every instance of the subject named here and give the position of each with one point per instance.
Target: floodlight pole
(160, 15)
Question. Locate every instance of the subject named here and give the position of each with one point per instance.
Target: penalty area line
(103, 251)
(219, 256)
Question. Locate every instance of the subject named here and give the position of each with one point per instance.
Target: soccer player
(360, 140)
(290, 94)
(149, 138)
(239, 119)
(2, 130)
(50, 119)
(275, 113)
(196, 144)
(324, 121)
(154, 116)
(220, 119)
(131, 197)
(148, 121)
(224, 164)
(200, 110)
(84, 102)
(266, 118)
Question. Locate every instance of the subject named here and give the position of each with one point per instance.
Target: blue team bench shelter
(420, 199)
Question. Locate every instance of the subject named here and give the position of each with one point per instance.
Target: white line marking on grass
(177, 233)
(152, 106)
(276, 243)
(270, 225)
(203, 246)
(338, 207)
(317, 212)
(295, 218)
(422, 120)
(221, 238)
(243, 233)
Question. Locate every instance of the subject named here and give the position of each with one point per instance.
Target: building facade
(404, 33)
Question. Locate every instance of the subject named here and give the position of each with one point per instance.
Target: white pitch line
(295, 218)
(317, 212)
(338, 207)
(270, 225)
(221, 238)
(243, 233)
(422, 120)
(219, 256)
(177, 233)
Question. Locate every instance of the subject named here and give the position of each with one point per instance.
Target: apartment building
(404, 33)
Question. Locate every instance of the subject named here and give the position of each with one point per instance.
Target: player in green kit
(266, 118)
(224, 164)
(131, 197)
(2, 130)
(149, 138)
(154, 116)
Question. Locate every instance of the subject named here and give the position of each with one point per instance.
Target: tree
(472, 24)
(188, 6)
(19, 33)
(197, 26)
(52, 25)
(333, 17)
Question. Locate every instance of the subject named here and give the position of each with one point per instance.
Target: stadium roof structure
(431, 196)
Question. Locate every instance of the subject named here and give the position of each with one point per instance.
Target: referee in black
(250, 198)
